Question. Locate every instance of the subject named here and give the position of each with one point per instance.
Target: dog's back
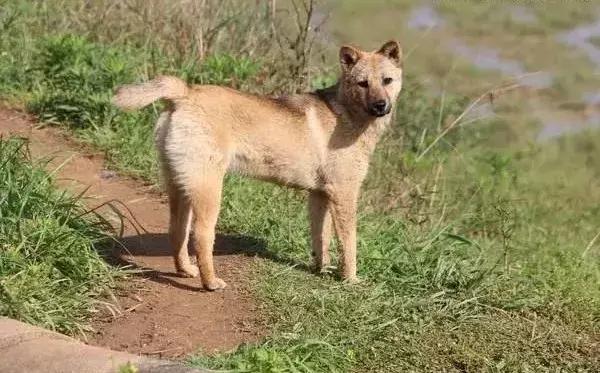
(281, 139)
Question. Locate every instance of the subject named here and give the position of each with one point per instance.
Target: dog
(320, 142)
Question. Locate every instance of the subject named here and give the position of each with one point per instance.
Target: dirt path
(160, 314)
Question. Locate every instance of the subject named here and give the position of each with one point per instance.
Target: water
(555, 129)
(521, 14)
(592, 98)
(580, 36)
(487, 59)
(539, 80)
(424, 17)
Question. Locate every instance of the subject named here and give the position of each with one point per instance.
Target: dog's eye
(387, 81)
(363, 83)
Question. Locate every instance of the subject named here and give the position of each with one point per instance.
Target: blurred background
(480, 215)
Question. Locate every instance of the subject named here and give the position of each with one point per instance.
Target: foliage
(474, 257)
(51, 250)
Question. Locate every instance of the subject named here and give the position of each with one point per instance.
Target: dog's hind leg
(321, 229)
(179, 231)
(205, 199)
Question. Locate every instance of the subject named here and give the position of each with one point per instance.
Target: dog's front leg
(343, 208)
(320, 228)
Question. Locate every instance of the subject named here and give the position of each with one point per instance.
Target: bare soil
(157, 313)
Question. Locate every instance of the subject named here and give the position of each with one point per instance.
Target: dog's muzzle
(379, 108)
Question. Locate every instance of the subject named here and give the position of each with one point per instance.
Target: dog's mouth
(379, 108)
(379, 113)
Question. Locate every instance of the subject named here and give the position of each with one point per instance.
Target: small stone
(107, 174)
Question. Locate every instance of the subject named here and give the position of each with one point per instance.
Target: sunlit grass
(479, 255)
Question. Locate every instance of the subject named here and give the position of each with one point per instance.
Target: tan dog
(319, 141)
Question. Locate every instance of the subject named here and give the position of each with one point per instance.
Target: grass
(478, 256)
(500, 283)
(51, 265)
(69, 80)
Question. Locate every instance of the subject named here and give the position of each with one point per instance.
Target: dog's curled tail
(135, 96)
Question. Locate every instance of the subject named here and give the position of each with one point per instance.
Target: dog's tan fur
(319, 141)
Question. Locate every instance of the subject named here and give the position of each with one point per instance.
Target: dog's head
(372, 80)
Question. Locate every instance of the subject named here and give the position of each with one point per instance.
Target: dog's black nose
(379, 108)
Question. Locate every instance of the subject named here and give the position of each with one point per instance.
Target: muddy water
(521, 14)
(424, 17)
(592, 98)
(580, 36)
(484, 58)
(538, 80)
(490, 59)
(557, 128)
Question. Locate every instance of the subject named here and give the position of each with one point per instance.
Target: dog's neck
(366, 128)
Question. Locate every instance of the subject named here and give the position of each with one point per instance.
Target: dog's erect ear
(393, 51)
(349, 56)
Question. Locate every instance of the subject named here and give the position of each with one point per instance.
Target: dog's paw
(325, 270)
(215, 284)
(352, 280)
(188, 271)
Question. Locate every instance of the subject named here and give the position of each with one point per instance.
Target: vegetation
(51, 265)
(480, 254)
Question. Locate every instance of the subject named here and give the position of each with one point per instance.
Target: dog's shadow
(158, 245)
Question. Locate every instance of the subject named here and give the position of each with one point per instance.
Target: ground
(478, 244)
(158, 313)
